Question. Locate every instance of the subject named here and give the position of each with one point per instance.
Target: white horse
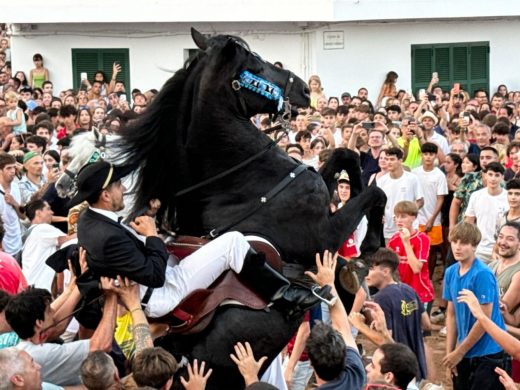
(89, 147)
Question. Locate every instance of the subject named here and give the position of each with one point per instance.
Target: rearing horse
(214, 171)
(199, 127)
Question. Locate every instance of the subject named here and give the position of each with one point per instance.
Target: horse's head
(258, 86)
(85, 148)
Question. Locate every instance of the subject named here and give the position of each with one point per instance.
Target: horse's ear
(199, 39)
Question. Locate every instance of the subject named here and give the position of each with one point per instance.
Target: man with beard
(137, 252)
(33, 181)
(507, 267)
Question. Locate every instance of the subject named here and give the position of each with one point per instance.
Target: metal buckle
(235, 84)
(213, 233)
(330, 302)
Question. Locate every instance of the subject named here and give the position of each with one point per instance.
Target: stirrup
(330, 302)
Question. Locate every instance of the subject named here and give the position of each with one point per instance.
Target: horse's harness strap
(146, 297)
(263, 199)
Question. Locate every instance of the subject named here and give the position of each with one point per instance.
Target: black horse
(214, 171)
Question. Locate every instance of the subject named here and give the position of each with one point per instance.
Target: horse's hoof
(349, 280)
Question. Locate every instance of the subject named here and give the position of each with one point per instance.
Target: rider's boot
(274, 287)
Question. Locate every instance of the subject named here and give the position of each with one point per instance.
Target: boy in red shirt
(412, 247)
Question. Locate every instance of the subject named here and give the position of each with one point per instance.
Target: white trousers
(198, 270)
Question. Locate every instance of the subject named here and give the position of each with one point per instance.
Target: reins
(284, 125)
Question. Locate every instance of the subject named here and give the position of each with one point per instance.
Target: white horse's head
(84, 148)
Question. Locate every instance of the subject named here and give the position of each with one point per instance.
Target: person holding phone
(376, 138)
(411, 141)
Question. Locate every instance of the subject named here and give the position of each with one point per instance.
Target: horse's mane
(83, 145)
(151, 138)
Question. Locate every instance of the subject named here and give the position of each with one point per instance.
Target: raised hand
(326, 269)
(246, 363)
(467, 297)
(196, 378)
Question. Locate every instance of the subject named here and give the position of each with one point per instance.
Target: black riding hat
(95, 177)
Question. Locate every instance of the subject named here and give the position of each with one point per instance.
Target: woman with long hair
(388, 89)
(22, 77)
(502, 90)
(381, 162)
(453, 170)
(333, 103)
(84, 119)
(39, 73)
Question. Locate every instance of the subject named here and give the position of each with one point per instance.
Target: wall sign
(333, 40)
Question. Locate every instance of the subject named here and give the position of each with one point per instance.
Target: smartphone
(422, 92)
(123, 97)
(368, 125)
(466, 117)
(83, 75)
(432, 97)
(435, 75)
(456, 88)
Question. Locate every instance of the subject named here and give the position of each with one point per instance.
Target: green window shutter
(83, 61)
(479, 63)
(460, 64)
(442, 63)
(442, 66)
(121, 56)
(92, 60)
(464, 63)
(421, 67)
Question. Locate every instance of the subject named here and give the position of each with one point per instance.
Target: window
(464, 63)
(188, 53)
(92, 60)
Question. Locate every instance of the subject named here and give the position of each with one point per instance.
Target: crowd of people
(448, 162)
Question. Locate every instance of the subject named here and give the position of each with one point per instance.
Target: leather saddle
(194, 313)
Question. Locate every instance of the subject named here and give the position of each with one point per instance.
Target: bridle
(97, 154)
(270, 91)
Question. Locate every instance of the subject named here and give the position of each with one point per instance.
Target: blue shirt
(353, 376)
(481, 281)
(403, 311)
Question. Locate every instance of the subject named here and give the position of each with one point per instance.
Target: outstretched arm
(338, 314)
(509, 343)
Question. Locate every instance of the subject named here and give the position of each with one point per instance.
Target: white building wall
(371, 50)
(152, 56)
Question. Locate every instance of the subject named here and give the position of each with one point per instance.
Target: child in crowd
(15, 114)
(412, 247)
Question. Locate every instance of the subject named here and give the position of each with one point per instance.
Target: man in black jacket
(136, 251)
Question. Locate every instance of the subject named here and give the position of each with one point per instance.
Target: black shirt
(369, 166)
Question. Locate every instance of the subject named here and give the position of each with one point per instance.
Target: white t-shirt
(338, 138)
(12, 241)
(440, 141)
(40, 244)
(407, 187)
(433, 183)
(60, 363)
(487, 209)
